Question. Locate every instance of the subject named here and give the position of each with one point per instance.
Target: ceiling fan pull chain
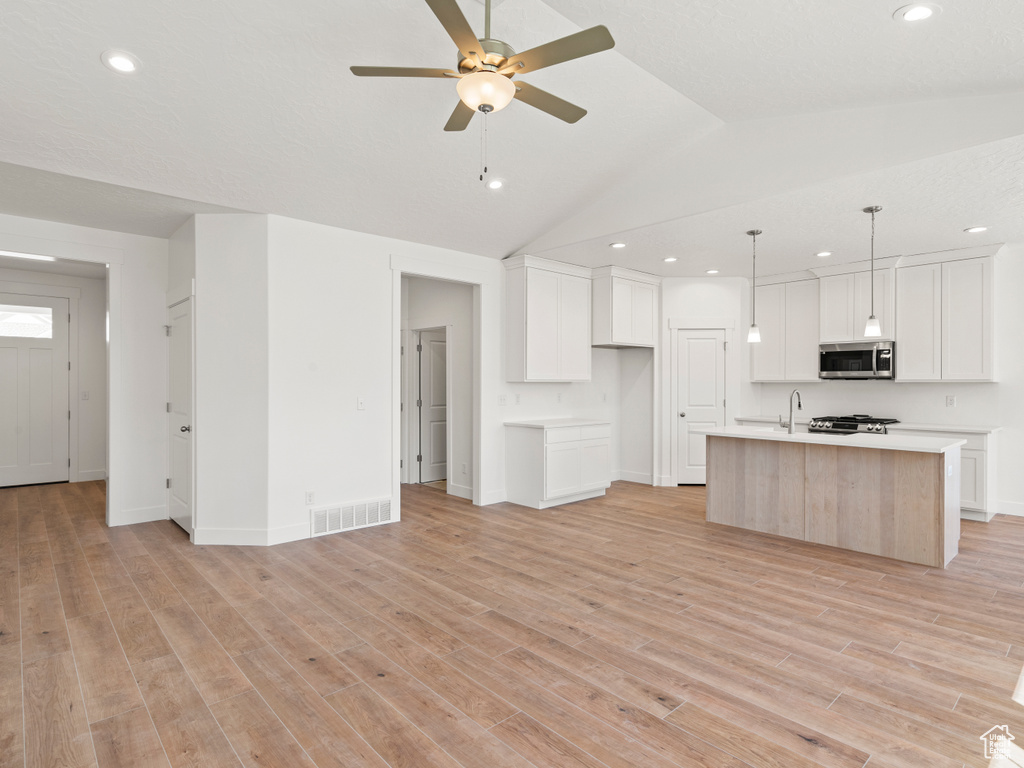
(483, 146)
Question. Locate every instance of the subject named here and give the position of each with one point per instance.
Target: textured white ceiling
(707, 115)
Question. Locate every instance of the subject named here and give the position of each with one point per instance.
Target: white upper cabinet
(625, 308)
(547, 321)
(918, 323)
(967, 348)
(768, 356)
(846, 305)
(787, 316)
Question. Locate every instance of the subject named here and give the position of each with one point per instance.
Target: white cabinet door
(542, 324)
(768, 357)
(644, 320)
(918, 323)
(595, 464)
(801, 330)
(836, 301)
(622, 310)
(967, 320)
(573, 335)
(562, 469)
(862, 302)
(972, 479)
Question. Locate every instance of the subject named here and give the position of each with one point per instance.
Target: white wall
(181, 258)
(432, 304)
(92, 363)
(981, 404)
(137, 359)
(230, 416)
(636, 415)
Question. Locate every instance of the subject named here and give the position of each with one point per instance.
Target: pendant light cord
(753, 284)
(872, 264)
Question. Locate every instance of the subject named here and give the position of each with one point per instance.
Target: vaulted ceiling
(708, 118)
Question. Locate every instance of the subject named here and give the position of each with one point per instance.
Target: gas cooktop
(847, 425)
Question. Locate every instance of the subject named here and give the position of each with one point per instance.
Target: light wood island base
(899, 504)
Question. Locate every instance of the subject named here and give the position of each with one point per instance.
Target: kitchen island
(890, 495)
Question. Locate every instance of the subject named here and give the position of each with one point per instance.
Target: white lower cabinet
(556, 461)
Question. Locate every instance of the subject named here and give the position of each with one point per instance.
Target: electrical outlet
(85, 394)
(951, 401)
(463, 467)
(309, 498)
(558, 397)
(502, 399)
(360, 404)
(517, 399)
(604, 397)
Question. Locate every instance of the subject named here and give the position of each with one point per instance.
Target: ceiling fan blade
(401, 72)
(546, 102)
(583, 43)
(460, 118)
(455, 24)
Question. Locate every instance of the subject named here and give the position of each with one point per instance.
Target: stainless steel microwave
(857, 360)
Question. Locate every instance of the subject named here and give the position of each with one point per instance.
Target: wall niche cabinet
(547, 320)
(846, 305)
(944, 321)
(625, 308)
(787, 315)
(556, 461)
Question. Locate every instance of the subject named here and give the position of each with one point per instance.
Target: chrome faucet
(791, 424)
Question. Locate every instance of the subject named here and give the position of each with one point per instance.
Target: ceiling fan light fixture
(485, 91)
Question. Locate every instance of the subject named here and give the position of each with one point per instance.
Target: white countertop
(955, 428)
(888, 442)
(555, 423)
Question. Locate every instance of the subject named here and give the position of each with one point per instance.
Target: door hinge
(723, 402)
(69, 365)
(419, 457)
(168, 407)
(69, 415)
(401, 463)
(419, 347)
(168, 482)
(69, 317)
(401, 407)
(402, 350)
(167, 330)
(725, 345)
(69, 462)
(419, 403)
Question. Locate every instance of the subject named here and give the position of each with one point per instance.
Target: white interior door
(179, 421)
(700, 395)
(432, 354)
(34, 411)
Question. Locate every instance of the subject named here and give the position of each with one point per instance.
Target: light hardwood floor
(620, 632)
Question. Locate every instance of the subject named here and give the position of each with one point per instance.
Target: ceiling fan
(486, 67)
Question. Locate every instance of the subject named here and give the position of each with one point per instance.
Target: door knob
(682, 414)
(186, 429)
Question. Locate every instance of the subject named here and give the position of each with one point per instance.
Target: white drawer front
(598, 430)
(561, 435)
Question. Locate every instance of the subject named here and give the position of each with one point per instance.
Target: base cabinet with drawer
(556, 461)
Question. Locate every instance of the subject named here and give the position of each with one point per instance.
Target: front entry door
(700, 394)
(179, 421)
(34, 412)
(433, 405)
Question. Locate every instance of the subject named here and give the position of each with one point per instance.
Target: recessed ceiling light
(616, 245)
(974, 230)
(32, 256)
(670, 259)
(122, 62)
(711, 272)
(495, 184)
(916, 12)
(823, 254)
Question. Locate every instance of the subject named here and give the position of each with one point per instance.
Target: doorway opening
(436, 405)
(53, 371)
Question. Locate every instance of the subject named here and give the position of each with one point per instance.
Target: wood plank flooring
(617, 632)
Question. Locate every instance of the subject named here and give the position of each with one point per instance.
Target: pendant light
(873, 329)
(754, 334)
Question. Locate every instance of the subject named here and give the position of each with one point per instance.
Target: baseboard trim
(1014, 508)
(493, 497)
(636, 477)
(664, 481)
(242, 537)
(140, 515)
(89, 475)
(288, 533)
(462, 491)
